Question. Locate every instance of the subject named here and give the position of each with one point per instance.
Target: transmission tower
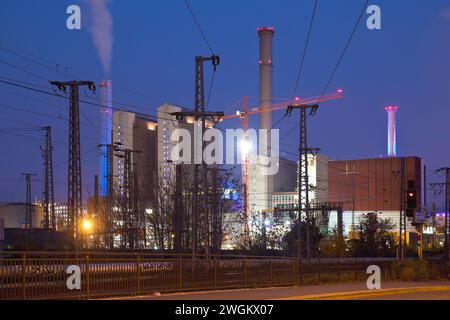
(200, 174)
(96, 215)
(446, 187)
(49, 198)
(74, 192)
(303, 178)
(130, 217)
(28, 208)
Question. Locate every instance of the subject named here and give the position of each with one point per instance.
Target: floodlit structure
(260, 184)
(392, 132)
(136, 132)
(167, 124)
(106, 119)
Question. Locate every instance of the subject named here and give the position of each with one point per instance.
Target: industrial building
(318, 178)
(14, 235)
(138, 133)
(372, 185)
(13, 215)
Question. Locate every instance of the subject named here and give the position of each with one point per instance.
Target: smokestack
(392, 134)
(265, 74)
(106, 128)
(261, 178)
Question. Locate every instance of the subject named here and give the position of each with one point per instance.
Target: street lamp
(245, 147)
(87, 225)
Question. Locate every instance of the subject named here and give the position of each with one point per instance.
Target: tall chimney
(106, 128)
(265, 182)
(265, 74)
(392, 134)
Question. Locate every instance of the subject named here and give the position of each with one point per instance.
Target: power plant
(145, 200)
(254, 164)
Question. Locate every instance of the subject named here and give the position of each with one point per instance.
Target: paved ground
(439, 295)
(333, 291)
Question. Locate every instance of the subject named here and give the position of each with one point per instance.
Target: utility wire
(10, 82)
(347, 45)
(198, 26)
(210, 87)
(341, 57)
(302, 61)
(22, 53)
(23, 70)
(68, 98)
(202, 33)
(305, 49)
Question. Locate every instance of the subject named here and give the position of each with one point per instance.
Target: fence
(33, 275)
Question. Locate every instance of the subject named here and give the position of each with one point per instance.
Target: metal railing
(43, 275)
(34, 275)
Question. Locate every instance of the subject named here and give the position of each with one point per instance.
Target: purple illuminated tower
(106, 127)
(392, 134)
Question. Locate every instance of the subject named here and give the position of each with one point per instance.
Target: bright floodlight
(245, 147)
(87, 225)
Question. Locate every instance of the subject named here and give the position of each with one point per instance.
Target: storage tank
(13, 215)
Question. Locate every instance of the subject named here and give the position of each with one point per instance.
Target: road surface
(438, 295)
(348, 291)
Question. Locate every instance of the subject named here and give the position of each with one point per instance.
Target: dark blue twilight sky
(407, 63)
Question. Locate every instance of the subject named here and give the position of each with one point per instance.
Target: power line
(22, 53)
(28, 137)
(61, 119)
(305, 49)
(68, 98)
(199, 26)
(147, 116)
(302, 61)
(341, 57)
(211, 84)
(347, 45)
(23, 70)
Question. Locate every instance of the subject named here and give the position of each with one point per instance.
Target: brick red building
(372, 184)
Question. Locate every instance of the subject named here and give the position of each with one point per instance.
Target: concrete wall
(286, 178)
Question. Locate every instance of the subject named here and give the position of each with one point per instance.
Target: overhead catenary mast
(74, 191)
(49, 198)
(28, 205)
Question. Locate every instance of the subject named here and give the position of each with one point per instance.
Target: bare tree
(160, 218)
(221, 204)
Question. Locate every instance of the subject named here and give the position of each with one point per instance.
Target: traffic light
(411, 196)
(411, 199)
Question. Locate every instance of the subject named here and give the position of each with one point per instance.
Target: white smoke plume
(101, 29)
